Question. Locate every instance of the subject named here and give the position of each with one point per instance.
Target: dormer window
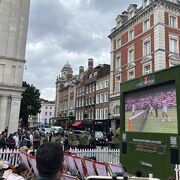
(132, 10)
(119, 23)
(146, 3)
(131, 14)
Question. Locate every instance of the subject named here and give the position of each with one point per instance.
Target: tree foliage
(30, 103)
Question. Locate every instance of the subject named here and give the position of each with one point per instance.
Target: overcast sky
(68, 30)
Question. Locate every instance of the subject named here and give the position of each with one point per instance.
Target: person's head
(11, 136)
(21, 170)
(49, 158)
(138, 173)
(4, 133)
(16, 134)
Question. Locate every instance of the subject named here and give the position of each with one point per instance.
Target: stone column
(3, 112)
(14, 115)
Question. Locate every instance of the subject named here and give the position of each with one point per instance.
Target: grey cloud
(47, 18)
(59, 32)
(109, 5)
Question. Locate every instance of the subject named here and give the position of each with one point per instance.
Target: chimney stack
(90, 63)
(81, 69)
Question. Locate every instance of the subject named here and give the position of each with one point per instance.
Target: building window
(45, 113)
(93, 87)
(117, 83)
(92, 100)
(106, 97)
(118, 62)
(45, 121)
(119, 43)
(97, 98)
(50, 107)
(131, 74)
(106, 84)
(147, 48)
(101, 98)
(173, 21)
(117, 110)
(173, 44)
(147, 69)
(97, 86)
(97, 114)
(146, 25)
(50, 113)
(89, 101)
(102, 85)
(92, 114)
(82, 101)
(131, 35)
(90, 89)
(46, 107)
(131, 55)
(105, 113)
(101, 113)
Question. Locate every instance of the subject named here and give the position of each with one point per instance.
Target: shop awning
(77, 124)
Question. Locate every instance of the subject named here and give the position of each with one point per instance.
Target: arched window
(116, 110)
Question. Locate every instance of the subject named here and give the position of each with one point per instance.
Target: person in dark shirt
(50, 161)
(2, 142)
(11, 143)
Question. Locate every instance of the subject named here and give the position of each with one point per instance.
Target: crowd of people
(20, 139)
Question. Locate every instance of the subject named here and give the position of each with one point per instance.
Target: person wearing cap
(50, 161)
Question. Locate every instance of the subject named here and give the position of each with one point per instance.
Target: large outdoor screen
(152, 109)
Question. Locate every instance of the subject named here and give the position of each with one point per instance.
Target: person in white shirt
(164, 110)
(16, 138)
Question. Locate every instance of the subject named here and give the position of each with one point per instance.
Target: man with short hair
(50, 158)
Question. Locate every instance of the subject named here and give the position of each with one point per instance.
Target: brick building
(76, 95)
(145, 40)
(102, 121)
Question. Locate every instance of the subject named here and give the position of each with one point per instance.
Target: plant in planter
(73, 142)
(83, 141)
(58, 139)
(116, 138)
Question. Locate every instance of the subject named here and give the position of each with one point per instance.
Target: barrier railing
(12, 156)
(101, 155)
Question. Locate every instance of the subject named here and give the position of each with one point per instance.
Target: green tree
(30, 103)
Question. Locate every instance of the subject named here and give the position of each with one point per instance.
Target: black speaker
(124, 148)
(174, 153)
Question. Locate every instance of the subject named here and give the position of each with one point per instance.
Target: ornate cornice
(142, 13)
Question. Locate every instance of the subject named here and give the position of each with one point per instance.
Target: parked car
(57, 129)
(79, 133)
(100, 137)
(43, 131)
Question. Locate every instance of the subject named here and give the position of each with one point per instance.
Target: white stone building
(14, 15)
(47, 112)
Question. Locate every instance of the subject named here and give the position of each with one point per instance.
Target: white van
(56, 129)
